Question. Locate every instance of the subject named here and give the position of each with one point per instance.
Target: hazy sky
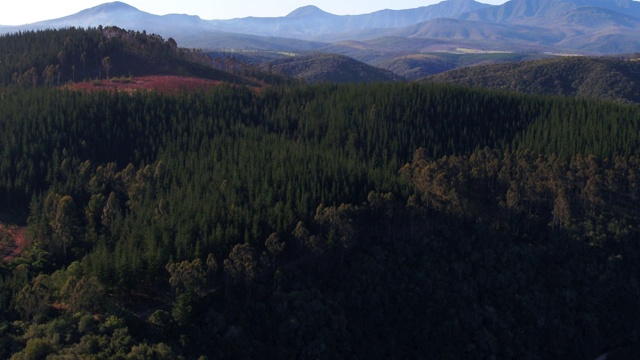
(18, 12)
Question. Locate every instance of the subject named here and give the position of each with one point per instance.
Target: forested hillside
(419, 66)
(55, 57)
(590, 77)
(364, 221)
(316, 68)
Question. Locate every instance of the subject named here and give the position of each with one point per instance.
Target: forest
(385, 220)
(598, 77)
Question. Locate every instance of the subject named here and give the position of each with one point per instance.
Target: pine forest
(286, 220)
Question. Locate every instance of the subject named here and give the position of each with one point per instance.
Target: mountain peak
(463, 2)
(113, 6)
(308, 10)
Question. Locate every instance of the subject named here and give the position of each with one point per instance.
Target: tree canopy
(318, 221)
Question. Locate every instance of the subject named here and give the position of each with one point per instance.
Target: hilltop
(56, 57)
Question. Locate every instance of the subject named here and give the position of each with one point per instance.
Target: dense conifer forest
(322, 221)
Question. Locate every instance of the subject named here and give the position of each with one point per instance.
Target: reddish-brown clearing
(160, 83)
(13, 243)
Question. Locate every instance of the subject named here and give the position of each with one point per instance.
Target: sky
(19, 12)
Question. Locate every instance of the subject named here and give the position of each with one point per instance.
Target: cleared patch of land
(160, 83)
(12, 242)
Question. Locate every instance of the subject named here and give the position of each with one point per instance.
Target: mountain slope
(598, 30)
(479, 31)
(593, 77)
(584, 26)
(519, 11)
(418, 66)
(217, 40)
(626, 7)
(537, 12)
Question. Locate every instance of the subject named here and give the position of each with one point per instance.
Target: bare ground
(160, 83)
(12, 242)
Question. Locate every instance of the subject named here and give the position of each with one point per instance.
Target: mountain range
(573, 26)
(412, 43)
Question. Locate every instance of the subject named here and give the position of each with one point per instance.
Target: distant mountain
(307, 23)
(419, 66)
(525, 26)
(219, 40)
(599, 31)
(521, 11)
(542, 25)
(480, 31)
(311, 23)
(587, 26)
(593, 77)
(125, 16)
(315, 68)
(626, 7)
(187, 30)
(539, 12)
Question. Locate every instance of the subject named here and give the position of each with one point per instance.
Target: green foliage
(586, 77)
(301, 221)
(36, 349)
(182, 311)
(318, 68)
(575, 126)
(187, 277)
(55, 57)
(419, 66)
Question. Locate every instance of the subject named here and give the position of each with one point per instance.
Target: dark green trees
(302, 220)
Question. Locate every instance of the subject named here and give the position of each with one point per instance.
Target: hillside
(315, 68)
(55, 57)
(418, 66)
(318, 220)
(592, 77)
(542, 12)
(510, 35)
(313, 219)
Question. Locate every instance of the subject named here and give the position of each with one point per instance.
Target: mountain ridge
(309, 10)
(533, 11)
(585, 27)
